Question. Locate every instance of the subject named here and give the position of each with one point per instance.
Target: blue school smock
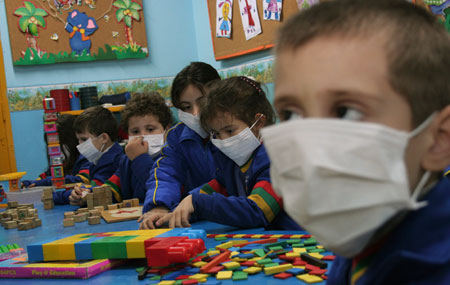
(98, 173)
(81, 164)
(241, 196)
(417, 251)
(129, 180)
(185, 163)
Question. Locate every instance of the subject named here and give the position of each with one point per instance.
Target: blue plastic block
(83, 249)
(295, 271)
(193, 270)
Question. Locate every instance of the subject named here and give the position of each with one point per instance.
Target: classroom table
(52, 226)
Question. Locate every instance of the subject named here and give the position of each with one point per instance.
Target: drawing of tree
(127, 11)
(31, 18)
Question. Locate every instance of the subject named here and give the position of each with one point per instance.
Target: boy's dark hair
(97, 120)
(68, 138)
(197, 74)
(417, 45)
(240, 96)
(142, 104)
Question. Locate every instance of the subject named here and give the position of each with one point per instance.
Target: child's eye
(213, 134)
(150, 130)
(286, 115)
(134, 132)
(185, 108)
(349, 113)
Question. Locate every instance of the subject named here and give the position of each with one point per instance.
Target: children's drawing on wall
(250, 18)
(304, 4)
(53, 31)
(272, 9)
(224, 13)
(440, 8)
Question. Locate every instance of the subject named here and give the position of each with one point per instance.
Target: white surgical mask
(155, 142)
(341, 180)
(89, 151)
(193, 122)
(240, 147)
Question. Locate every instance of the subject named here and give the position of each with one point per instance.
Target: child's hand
(179, 218)
(148, 219)
(27, 184)
(135, 147)
(75, 196)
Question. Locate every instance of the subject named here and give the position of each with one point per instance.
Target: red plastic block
(284, 257)
(328, 257)
(318, 272)
(215, 269)
(247, 236)
(283, 275)
(169, 250)
(181, 277)
(299, 262)
(306, 236)
(309, 267)
(248, 263)
(189, 282)
(286, 237)
(266, 236)
(216, 261)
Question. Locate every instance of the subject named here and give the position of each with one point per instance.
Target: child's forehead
(148, 118)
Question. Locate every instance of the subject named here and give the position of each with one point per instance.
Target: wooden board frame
(107, 215)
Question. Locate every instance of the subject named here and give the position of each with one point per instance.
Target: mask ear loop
(254, 124)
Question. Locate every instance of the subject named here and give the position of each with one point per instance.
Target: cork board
(52, 40)
(122, 214)
(237, 45)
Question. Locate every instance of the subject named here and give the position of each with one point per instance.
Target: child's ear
(437, 157)
(260, 120)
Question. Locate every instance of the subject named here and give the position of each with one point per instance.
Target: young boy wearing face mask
(241, 194)
(186, 161)
(96, 130)
(145, 117)
(364, 89)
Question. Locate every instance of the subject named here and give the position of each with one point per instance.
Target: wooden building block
(69, 214)
(22, 226)
(112, 207)
(127, 203)
(82, 210)
(48, 204)
(94, 220)
(69, 222)
(47, 193)
(100, 208)
(135, 202)
(94, 213)
(80, 218)
(10, 225)
(38, 222)
(12, 204)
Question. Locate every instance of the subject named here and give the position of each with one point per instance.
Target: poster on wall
(54, 31)
(250, 18)
(304, 4)
(272, 9)
(440, 8)
(224, 14)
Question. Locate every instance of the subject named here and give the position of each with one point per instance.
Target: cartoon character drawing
(272, 7)
(225, 25)
(251, 22)
(80, 27)
(2, 194)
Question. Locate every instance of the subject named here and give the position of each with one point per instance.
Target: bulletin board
(53, 31)
(237, 45)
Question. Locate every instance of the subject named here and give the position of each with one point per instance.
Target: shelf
(116, 108)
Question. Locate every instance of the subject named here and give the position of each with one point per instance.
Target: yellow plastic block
(199, 264)
(277, 269)
(231, 265)
(256, 236)
(135, 247)
(276, 236)
(63, 249)
(238, 236)
(198, 276)
(225, 245)
(237, 259)
(299, 266)
(222, 235)
(296, 236)
(212, 252)
(252, 270)
(293, 254)
(223, 275)
(316, 255)
(256, 258)
(299, 250)
(320, 246)
(233, 253)
(240, 241)
(167, 282)
(309, 278)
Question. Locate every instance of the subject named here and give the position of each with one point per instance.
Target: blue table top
(52, 226)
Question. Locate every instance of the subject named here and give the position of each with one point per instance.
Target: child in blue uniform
(186, 160)
(73, 161)
(364, 89)
(145, 117)
(241, 193)
(96, 130)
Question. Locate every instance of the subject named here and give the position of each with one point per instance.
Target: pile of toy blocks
(20, 216)
(82, 215)
(267, 256)
(100, 196)
(53, 146)
(47, 198)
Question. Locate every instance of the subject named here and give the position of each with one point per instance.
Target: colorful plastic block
(252, 270)
(277, 269)
(283, 275)
(240, 275)
(224, 275)
(309, 278)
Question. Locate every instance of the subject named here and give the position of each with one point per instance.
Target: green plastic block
(112, 247)
(10, 247)
(259, 252)
(264, 261)
(280, 243)
(308, 248)
(239, 275)
(271, 264)
(319, 250)
(293, 241)
(3, 249)
(298, 245)
(276, 248)
(157, 277)
(220, 238)
(310, 241)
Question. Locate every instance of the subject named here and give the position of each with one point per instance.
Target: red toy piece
(216, 261)
(169, 250)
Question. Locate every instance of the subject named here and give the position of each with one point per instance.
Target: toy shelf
(116, 108)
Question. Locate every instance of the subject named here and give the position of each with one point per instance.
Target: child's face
(189, 100)
(144, 125)
(225, 125)
(344, 79)
(98, 141)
